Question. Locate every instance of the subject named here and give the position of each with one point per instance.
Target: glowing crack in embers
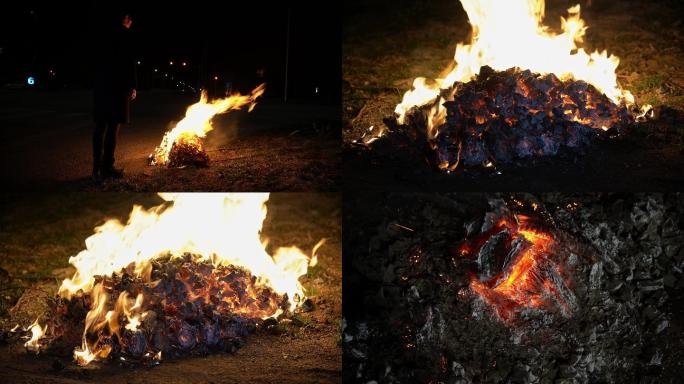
(519, 268)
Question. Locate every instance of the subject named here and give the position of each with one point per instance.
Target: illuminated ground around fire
(292, 147)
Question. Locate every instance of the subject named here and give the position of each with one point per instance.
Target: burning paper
(182, 145)
(186, 277)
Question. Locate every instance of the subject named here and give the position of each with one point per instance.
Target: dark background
(53, 42)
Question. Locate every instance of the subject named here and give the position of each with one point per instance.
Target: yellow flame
(37, 332)
(314, 258)
(197, 121)
(510, 34)
(224, 228)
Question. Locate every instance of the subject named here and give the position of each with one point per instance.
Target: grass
(40, 232)
(650, 83)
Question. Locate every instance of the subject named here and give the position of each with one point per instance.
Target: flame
(197, 121)
(222, 228)
(37, 332)
(507, 34)
(314, 258)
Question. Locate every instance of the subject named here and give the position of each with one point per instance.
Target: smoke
(226, 130)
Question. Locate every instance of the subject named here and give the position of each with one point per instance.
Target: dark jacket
(115, 77)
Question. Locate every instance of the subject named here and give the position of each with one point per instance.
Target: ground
(46, 140)
(418, 38)
(40, 232)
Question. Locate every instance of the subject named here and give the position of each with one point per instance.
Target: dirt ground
(40, 232)
(46, 144)
(418, 38)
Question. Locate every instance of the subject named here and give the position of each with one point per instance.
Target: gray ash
(411, 314)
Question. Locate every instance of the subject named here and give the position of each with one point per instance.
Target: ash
(195, 308)
(415, 317)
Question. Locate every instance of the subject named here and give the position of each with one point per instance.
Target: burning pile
(182, 145)
(188, 306)
(517, 90)
(187, 277)
(501, 116)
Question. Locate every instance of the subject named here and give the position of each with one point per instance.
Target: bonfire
(188, 277)
(182, 145)
(516, 90)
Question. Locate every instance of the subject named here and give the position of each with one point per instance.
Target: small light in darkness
(31, 80)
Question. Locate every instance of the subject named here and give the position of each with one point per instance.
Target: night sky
(237, 40)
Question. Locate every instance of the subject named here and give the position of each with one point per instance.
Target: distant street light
(139, 62)
(170, 62)
(156, 70)
(184, 63)
(215, 77)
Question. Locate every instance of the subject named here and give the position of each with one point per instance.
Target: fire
(508, 34)
(220, 229)
(37, 332)
(529, 277)
(197, 122)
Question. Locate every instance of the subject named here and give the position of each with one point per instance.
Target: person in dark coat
(114, 88)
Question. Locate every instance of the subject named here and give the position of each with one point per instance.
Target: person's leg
(98, 137)
(109, 147)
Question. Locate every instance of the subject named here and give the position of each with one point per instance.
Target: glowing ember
(188, 276)
(182, 145)
(188, 305)
(501, 116)
(519, 268)
(560, 84)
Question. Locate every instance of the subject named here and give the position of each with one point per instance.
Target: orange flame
(222, 228)
(509, 34)
(197, 121)
(37, 332)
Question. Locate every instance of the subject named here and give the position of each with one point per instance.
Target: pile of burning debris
(189, 307)
(187, 277)
(516, 91)
(502, 116)
(461, 289)
(182, 145)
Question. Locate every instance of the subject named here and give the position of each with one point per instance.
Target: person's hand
(133, 94)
